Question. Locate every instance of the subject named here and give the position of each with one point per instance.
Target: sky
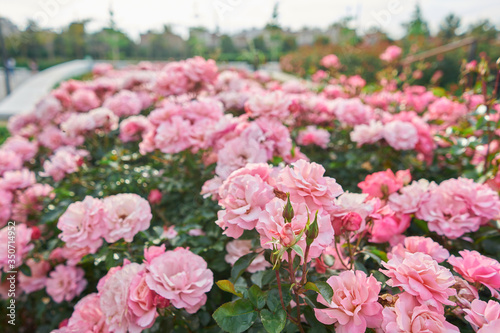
(138, 16)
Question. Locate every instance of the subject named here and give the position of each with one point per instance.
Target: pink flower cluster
(128, 296)
(251, 200)
(86, 223)
(182, 77)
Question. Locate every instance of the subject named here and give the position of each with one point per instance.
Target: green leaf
(325, 290)
(235, 317)
(241, 264)
(273, 322)
(25, 269)
(257, 296)
(298, 250)
(273, 298)
(228, 286)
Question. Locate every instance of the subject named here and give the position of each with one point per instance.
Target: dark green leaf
(325, 290)
(257, 296)
(242, 264)
(273, 322)
(235, 317)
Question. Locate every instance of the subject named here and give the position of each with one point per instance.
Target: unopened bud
(313, 231)
(288, 213)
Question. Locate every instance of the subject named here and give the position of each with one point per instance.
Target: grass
(4, 133)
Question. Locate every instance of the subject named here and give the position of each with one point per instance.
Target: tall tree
(449, 26)
(417, 27)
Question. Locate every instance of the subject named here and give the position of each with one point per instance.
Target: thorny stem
(304, 267)
(338, 254)
(348, 240)
(293, 282)
(278, 279)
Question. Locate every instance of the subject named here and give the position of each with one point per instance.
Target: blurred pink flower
(82, 224)
(238, 248)
(38, 278)
(125, 215)
(65, 283)
(312, 135)
(391, 53)
(416, 244)
(330, 61)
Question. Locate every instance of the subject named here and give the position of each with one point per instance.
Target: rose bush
(183, 198)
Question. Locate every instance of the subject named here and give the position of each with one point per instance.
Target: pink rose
(408, 315)
(410, 197)
(22, 235)
(152, 252)
(82, 224)
(243, 197)
(268, 104)
(85, 100)
(238, 248)
(141, 302)
(388, 226)
(458, 206)
(18, 179)
(125, 103)
(305, 183)
(354, 205)
(420, 244)
(237, 152)
(354, 306)
(313, 136)
(5, 206)
(476, 268)
(330, 61)
(391, 53)
(371, 133)
(37, 280)
(484, 317)
(65, 283)
(401, 135)
(434, 281)
(155, 197)
(381, 184)
(352, 111)
(132, 127)
(23, 147)
(9, 160)
(114, 296)
(181, 277)
(88, 316)
(125, 215)
(173, 135)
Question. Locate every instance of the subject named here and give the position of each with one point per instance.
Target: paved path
(25, 97)
(20, 75)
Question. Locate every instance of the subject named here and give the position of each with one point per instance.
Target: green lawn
(4, 133)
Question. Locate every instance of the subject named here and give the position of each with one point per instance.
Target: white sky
(136, 16)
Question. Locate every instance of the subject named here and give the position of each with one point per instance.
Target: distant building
(208, 39)
(8, 27)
